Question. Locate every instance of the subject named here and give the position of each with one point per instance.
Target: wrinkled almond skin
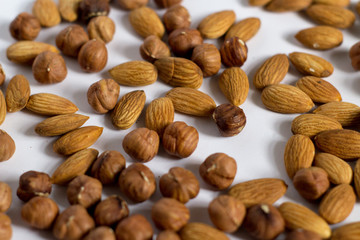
(46, 12)
(5, 227)
(153, 49)
(159, 114)
(69, 9)
(17, 93)
(309, 64)
(101, 28)
(49, 67)
(7, 146)
(103, 95)
(146, 22)
(216, 24)
(134, 227)
(208, 58)
(132, 4)
(244, 29)
(350, 231)
(5, 197)
(195, 231)
(176, 17)
(285, 6)
(71, 39)
(93, 56)
(2, 107)
(320, 37)
(183, 40)
(33, 184)
(25, 27)
(341, 3)
(234, 84)
(233, 52)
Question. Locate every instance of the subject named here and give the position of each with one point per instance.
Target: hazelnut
(135, 227)
(40, 212)
(142, 144)
(168, 235)
(93, 8)
(5, 197)
(84, 190)
(132, 4)
(49, 67)
(208, 58)
(183, 40)
(101, 28)
(354, 55)
(230, 119)
(168, 213)
(2, 75)
(32, 184)
(71, 39)
(7, 148)
(176, 17)
(137, 182)
(180, 184)
(233, 52)
(179, 139)
(25, 27)
(218, 170)
(301, 234)
(264, 222)
(108, 166)
(311, 183)
(103, 233)
(103, 95)
(93, 56)
(153, 48)
(227, 213)
(110, 211)
(166, 3)
(73, 223)
(5, 227)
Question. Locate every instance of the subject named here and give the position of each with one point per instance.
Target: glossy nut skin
(111, 211)
(183, 40)
(93, 8)
(25, 27)
(134, 227)
(102, 232)
(93, 56)
(166, 3)
(154, 48)
(208, 58)
(84, 190)
(176, 17)
(131, 4)
(354, 55)
(49, 67)
(103, 95)
(5, 197)
(32, 184)
(71, 39)
(108, 166)
(230, 119)
(233, 52)
(5, 227)
(101, 28)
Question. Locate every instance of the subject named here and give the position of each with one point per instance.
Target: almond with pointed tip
(69, 9)
(46, 11)
(320, 37)
(309, 64)
(341, 3)
(244, 29)
(196, 231)
(234, 84)
(159, 114)
(216, 24)
(286, 5)
(146, 22)
(350, 231)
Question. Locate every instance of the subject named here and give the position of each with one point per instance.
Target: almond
(2, 75)
(286, 5)
(350, 231)
(50, 104)
(263, 190)
(197, 231)
(46, 12)
(272, 71)
(244, 29)
(77, 140)
(215, 25)
(300, 217)
(320, 37)
(2, 107)
(234, 84)
(134, 73)
(191, 101)
(286, 99)
(69, 9)
(128, 109)
(258, 2)
(7, 144)
(342, 3)
(337, 204)
(299, 153)
(17, 93)
(159, 114)
(309, 64)
(146, 22)
(357, 177)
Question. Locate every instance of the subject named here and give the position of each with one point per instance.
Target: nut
(208, 58)
(40, 212)
(134, 227)
(218, 170)
(84, 190)
(216, 24)
(176, 17)
(17, 93)
(166, 3)
(153, 49)
(93, 8)
(146, 22)
(46, 11)
(101, 28)
(196, 230)
(69, 9)
(103, 95)
(234, 84)
(244, 29)
(354, 54)
(103, 233)
(141, 144)
(285, 6)
(168, 235)
(2, 113)
(111, 211)
(32, 184)
(230, 119)
(49, 67)
(2, 75)
(25, 27)
(320, 37)
(131, 4)
(233, 52)
(301, 234)
(5, 227)
(159, 114)
(71, 39)
(93, 56)
(182, 41)
(7, 146)
(180, 184)
(5, 197)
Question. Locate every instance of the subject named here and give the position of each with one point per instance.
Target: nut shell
(230, 119)
(176, 17)
(111, 211)
(134, 227)
(233, 52)
(32, 184)
(208, 58)
(84, 190)
(25, 27)
(93, 56)
(103, 95)
(71, 39)
(49, 67)
(153, 48)
(103, 233)
(182, 41)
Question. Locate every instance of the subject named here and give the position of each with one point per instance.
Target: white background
(258, 149)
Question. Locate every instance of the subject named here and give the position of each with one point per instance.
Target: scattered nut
(7, 148)
(101, 28)
(84, 190)
(182, 41)
(32, 184)
(301, 234)
(5, 227)
(208, 58)
(93, 8)
(233, 52)
(93, 56)
(71, 39)
(135, 227)
(154, 48)
(103, 95)
(168, 235)
(354, 55)
(25, 27)
(103, 233)
(131, 4)
(166, 3)
(176, 17)
(111, 211)
(69, 9)
(2, 75)
(49, 67)
(46, 12)
(108, 167)
(5, 197)
(230, 119)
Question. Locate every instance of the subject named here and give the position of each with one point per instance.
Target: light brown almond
(17, 93)
(46, 12)
(272, 71)
(258, 2)
(69, 9)
(77, 140)
(216, 24)
(146, 22)
(350, 231)
(357, 177)
(320, 37)
(197, 231)
(2, 107)
(234, 84)
(159, 114)
(262, 190)
(191, 101)
(312, 65)
(342, 3)
(286, 99)
(286, 5)
(2, 75)
(7, 144)
(244, 29)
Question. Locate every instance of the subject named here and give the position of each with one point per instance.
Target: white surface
(258, 149)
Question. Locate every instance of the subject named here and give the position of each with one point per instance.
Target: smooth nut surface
(208, 58)
(233, 52)
(230, 119)
(25, 27)
(111, 211)
(134, 227)
(93, 56)
(32, 184)
(5, 197)
(71, 39)
(84, 190)
(49, 67)
(103, 95)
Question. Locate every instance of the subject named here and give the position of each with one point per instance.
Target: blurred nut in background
(108, 167)
(134, 227)
(69, 9)
(154, 48)
(355, 56)
(93, 56)
(7, 144)
(111, 211)
(84, 190)
(2, 75)
(71, 39)
(5, 197)
(208, 58)
(46, 11)
(131, 4)
(25, 27)
(49, 67)
(101, 233)
(103, 95)
(93, 8)
(5, 227)
(233, 52)
(166, 3)
(229, 119)
(168, 235)
(32, 184)
(176, 17)
(101, 28)
(182, 41)
(301, 234)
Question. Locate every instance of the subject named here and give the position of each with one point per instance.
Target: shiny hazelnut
(170, 214)
(168, 235)
(103, 95)
(108, 166)
(93, 56)
(5, 227)
(2, 75)
(208, 58)
(153, 48)
(176, 17)
(32, 184)
(71, 39)
(183, 40)
(354, 54)
(101, 28)
(110, 211)
(40, 212)
(137, 182)
(166, 3)
(73, 223)
(230, 119)
(25, 27)
(311, 183)
(301, 234)
(93, 8)
(49, 67)
(132, 4)
(101, 233)
(233, 52)
(135, 227)
(142, 144)
(179, 139)
(7, 146)
(5, 197)
(180, 184)
(84, 190)
(218, 170)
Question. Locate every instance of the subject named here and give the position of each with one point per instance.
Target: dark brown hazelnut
(166, 3)
(93, 56)
(311, 183)
(5, 227)
(132, 4)
(168, 235)
(354, 55)
(103, 95)
(71, 39)
(2, 75)
(40, 212)
(32, 184)
(111, 211)
(179, 139)
(233, 52)
(93, 8)
(25, 27)
(101, 233)
(218, 170)
(183, 40)
(170, 214)
(101, 28)
(176, 17)
(137, 182)
(153, 48)
(230, 119)
(49, 67)
(5, 197)
(180, 184)
(84, 190)
(7, 143)
(135, 227)
(264, 222)
(208, 58)
(301, 234)
(108, 167)
(142, 144)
